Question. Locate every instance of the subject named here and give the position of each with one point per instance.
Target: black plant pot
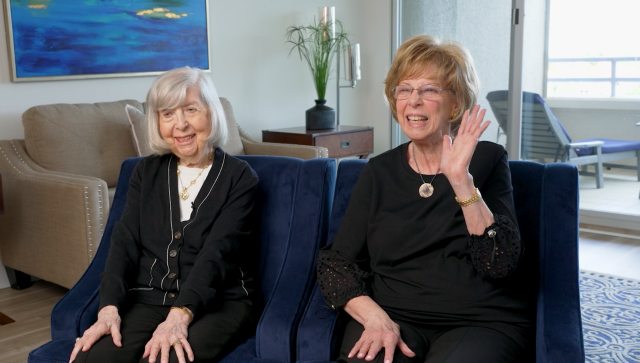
(321, 117)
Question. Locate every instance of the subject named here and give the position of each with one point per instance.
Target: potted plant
(317, 45)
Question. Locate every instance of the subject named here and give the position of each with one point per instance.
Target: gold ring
(77, 339)
(176, 342)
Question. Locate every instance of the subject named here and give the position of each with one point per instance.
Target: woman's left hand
(456, 155)
(172, 332)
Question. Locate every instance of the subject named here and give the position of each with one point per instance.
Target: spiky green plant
(318, 49)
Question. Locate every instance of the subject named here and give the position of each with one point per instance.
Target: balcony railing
(613, 79)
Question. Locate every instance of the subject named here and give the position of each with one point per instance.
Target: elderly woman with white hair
(175, 284)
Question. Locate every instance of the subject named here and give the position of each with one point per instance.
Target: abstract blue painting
(68, 39)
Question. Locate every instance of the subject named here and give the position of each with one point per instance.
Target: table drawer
(347, 144)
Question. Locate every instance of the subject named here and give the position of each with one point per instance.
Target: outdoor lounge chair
(544, 139)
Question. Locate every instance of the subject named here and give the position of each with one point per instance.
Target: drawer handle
(345, 144)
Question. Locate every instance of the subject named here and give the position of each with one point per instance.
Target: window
(594, 49)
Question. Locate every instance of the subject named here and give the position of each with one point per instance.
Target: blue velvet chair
(293, 203)
(546, 199)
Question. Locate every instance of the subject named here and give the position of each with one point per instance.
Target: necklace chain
(184, 195)
(426, 189)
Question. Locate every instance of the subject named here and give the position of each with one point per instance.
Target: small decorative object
(60, 40)
(351, 72)
(317, 44)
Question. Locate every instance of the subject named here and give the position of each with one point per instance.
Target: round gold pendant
(426, 190)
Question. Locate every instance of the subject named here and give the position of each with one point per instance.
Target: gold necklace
(426, 189)
(184, 195)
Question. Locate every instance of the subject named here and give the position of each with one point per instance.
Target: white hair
(169, 90)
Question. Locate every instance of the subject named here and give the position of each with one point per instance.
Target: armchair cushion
(81, 139)
(234, 144)
(139, 134)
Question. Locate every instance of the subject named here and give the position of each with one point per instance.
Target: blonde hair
(452, 62)
(169, 90)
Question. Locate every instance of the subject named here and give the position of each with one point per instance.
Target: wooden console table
(341, 141)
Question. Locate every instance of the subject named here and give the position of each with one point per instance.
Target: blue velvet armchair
(293, 203)
(546, 200)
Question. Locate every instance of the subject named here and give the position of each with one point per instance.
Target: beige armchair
(59, 181)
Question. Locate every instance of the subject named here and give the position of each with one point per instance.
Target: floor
(610, 250)
(619, 195)
(31, 310)
(610, 254)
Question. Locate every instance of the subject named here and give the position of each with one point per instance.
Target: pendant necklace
(426, 189)
(184, 195)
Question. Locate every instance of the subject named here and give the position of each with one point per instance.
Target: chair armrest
(295, 151)
(559, 334)
(318, 331)
(574, 145)
(53, 221)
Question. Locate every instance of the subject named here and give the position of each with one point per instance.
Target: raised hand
(380, 332)
(108, 323)
(173, 332)
(456, 155)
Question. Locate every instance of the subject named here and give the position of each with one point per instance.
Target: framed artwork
(77, 39)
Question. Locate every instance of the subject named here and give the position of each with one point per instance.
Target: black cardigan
(157, 259)
(415, 257)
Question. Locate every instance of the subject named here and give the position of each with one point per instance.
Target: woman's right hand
(108, 323)
(379, 331)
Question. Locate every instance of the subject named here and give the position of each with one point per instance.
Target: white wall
(250, 67)
(484, 30)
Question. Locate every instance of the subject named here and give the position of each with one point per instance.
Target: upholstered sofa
(301, 205)
(59, 182)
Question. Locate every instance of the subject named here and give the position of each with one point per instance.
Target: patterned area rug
(610, 318)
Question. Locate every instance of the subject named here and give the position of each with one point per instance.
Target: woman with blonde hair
(425, 261)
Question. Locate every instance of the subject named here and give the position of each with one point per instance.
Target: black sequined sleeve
(495, 254)
(343, 266)
(340, 280)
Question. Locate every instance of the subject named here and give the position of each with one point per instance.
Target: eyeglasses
(426, 92)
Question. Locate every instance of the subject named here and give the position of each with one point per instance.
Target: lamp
(327, 20)
(351, 72)
(327, 16)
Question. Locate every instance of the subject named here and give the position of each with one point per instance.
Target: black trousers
(211, 336)
(441, 344)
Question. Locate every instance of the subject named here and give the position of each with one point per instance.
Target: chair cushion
(139, 133)
(609, 146)
(234, 143)
(81, 139)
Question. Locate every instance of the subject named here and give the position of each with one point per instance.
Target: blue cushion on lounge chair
(609, 146)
